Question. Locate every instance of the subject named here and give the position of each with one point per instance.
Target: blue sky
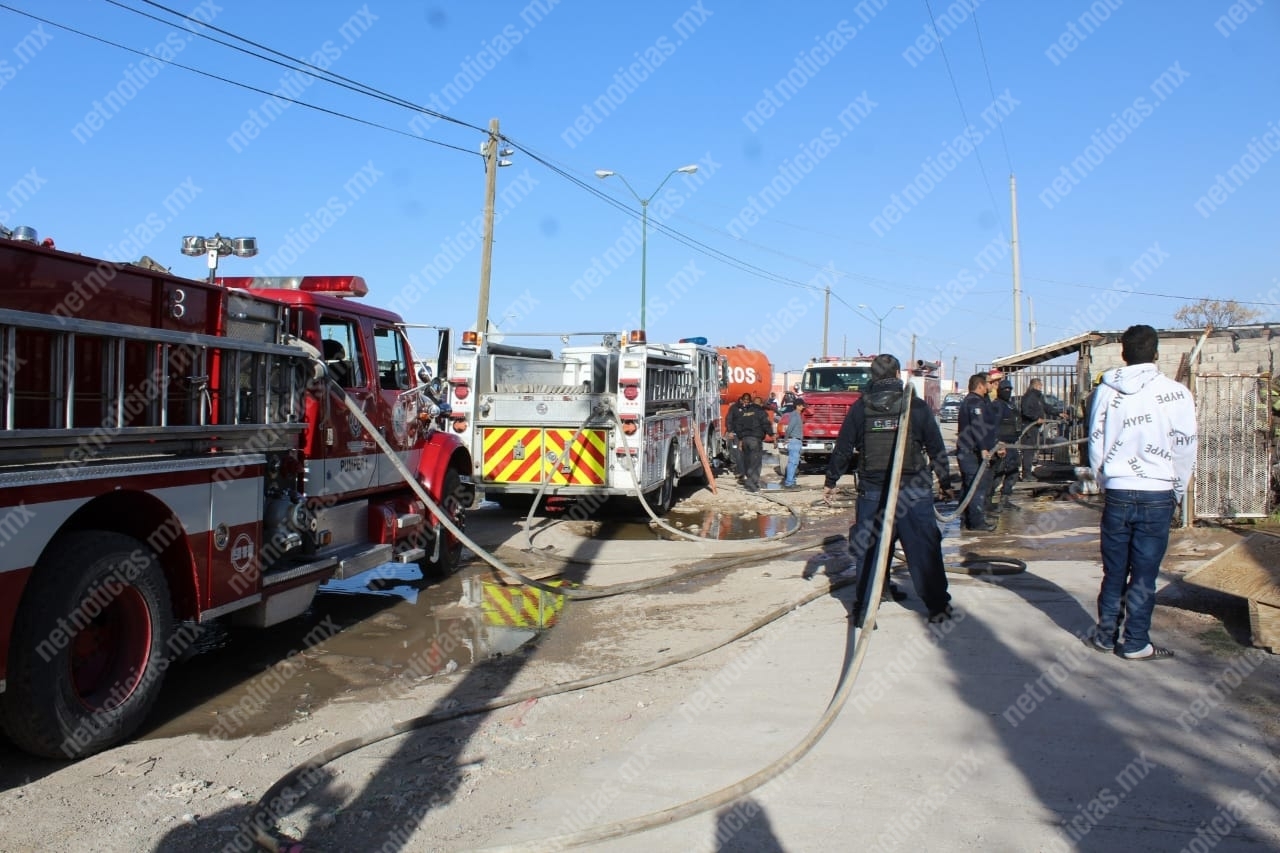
(806, 120)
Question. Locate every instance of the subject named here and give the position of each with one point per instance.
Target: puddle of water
(714, 524)
(707, 523)
(245, 682)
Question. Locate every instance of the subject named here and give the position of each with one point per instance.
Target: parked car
(950, 410)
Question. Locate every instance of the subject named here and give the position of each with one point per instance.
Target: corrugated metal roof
(1039, 355)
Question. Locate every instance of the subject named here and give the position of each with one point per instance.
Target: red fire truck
(830, 386)
(172, 452)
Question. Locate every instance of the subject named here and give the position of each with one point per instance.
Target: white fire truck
(576, 424)
(171, 452)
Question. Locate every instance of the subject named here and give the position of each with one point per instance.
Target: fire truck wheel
(451, 502)
(88, 651)
(665, 495)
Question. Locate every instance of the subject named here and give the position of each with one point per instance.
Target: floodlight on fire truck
(636, 336)
(218, 246)
(471, 339)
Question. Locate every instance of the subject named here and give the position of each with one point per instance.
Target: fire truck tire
(71, 694)
(665, 495)
(451, 549)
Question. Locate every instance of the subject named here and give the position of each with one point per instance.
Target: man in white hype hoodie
(1142, 449)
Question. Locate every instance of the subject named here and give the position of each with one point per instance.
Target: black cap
(885, 366)
(1005, 383)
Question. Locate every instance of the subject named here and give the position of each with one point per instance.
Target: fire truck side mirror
(424, 374)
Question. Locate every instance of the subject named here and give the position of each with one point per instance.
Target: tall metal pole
(1017, 268)
(911, 365)
(1031, 320)
(486, 243)
(826, 315)
(644, 254)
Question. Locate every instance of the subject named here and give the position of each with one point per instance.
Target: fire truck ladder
(130, 390)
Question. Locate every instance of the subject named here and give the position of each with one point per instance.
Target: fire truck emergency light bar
(329, 285)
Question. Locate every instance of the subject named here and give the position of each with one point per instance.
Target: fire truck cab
(172, 452)
(830, 386)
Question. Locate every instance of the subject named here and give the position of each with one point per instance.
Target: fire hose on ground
(857, 642)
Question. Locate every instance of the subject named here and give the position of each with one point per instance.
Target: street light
(218, 246)
(880, 321)
(644, 220)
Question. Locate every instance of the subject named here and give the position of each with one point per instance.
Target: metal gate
(1233, 459)
(1065, 387)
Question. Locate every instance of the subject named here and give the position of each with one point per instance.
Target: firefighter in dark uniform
(975, 442)
(731, 434)
(1007, 464)
(751, 423)
(871, 429)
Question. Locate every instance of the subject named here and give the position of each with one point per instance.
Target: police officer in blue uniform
(975, 443)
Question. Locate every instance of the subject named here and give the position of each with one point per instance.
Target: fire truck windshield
(835, 378)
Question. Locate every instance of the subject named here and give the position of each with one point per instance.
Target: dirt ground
(235, 719)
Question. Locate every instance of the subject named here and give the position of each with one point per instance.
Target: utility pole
(955, 378)
(490, 151)
(1031, 320)
(826, 316)
(911, 363)
(1017, 268)
(844, 346)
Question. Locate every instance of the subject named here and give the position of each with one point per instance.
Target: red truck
(830, 386)
(176, 451)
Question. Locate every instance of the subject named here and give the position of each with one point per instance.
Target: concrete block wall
(1221, 353)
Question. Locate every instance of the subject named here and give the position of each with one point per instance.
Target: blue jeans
(793, 461)
(916, 528)
(975, 513)
(1135, 533)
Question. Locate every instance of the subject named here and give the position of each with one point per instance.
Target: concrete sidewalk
(1000, 732)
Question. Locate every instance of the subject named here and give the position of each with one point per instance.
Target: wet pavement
(386, 625)
(347, 643)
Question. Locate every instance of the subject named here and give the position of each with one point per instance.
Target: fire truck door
(397, 408)
(350, 461)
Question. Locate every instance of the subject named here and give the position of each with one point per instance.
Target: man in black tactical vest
(1007, 464)
(871, 429)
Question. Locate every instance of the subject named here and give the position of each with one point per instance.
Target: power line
(991, 87)
(326, 74)
(678, 236)
(236, 83)
(976, 153)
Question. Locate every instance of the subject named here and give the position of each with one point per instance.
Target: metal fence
(1233, 461)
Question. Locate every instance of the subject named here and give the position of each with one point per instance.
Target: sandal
(1157, 653)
